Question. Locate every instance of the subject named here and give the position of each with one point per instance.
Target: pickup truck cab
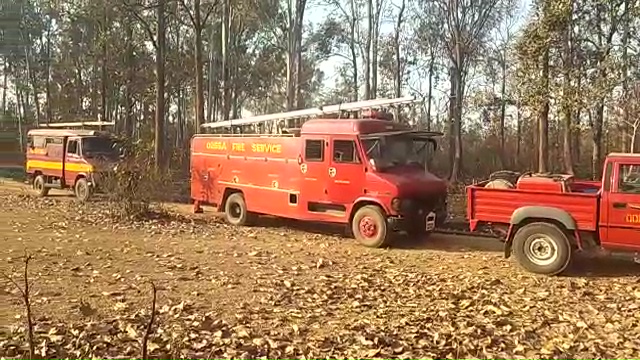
(546, 217)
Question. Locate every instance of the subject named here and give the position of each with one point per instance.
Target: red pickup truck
(546, 217)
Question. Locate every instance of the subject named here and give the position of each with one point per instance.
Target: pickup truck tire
(39, 185)
(542, 248)
(369, 226)
(235, 210)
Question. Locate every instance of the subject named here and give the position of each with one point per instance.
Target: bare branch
(188, 11)
(147, 333)
(27, 303)
(209, 12)
(143, 22)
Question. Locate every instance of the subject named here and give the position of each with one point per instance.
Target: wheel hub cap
(368, 227)
(541, 250)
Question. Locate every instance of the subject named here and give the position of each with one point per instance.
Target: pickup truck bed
(497, 206)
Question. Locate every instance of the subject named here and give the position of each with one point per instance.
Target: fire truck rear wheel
(235, 210)
(82, 189)
(542, 248)
(39, 186)
(369, 226)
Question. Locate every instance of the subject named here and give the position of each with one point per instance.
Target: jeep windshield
(407, 148)
(100, 146)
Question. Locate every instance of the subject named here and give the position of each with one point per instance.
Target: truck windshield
(99, 146)
(399, 150)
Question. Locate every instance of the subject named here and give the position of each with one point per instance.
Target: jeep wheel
(369, 226)
(542, 248)
(235, 210)
(39, 185)
(82, 190)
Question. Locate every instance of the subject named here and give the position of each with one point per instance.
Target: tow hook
(393, 222)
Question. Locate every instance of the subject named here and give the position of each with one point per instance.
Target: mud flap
(507, 249)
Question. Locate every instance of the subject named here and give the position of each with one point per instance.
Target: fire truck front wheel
(235, 210)
(369, 226)
(39, 185)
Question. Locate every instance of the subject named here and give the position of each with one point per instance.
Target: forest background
(542, 85)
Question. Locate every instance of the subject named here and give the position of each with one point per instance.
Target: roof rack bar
(79, 123)
(324, 110)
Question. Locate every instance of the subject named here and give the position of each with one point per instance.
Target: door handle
(619, 205)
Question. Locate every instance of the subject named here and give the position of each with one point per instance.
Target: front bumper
(414, 214)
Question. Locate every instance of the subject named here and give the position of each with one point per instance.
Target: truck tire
(235, 210)
(542, 248)
(39, 185)
(82, 190)
(369, 226)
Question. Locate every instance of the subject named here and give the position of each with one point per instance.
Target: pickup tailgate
(489, 205)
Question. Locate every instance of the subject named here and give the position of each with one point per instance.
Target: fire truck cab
(370, 173)
(68, 159)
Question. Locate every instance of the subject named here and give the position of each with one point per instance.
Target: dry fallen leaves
(313, 300)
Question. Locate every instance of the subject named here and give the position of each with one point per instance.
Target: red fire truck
(367, 171)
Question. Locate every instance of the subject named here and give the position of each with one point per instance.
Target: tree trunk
(104, 62)
(503, 109)
(456, 118)
(48, 62)
(625, 77)
(375, 47)
(367, 51)
(5, 74)
(432, 62)
(543, 118)
(199, 103)
(299, 101)
(160, 83)
(213, 76)
(354, 52)
(518, 133)
(596, 155)
(398, 69)
(130, 70)
(567, 96)
(225, 58)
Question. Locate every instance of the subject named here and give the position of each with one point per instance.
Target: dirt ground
(291, 290)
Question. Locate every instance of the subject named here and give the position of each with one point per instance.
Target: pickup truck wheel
(369, 226)
(39, 186)
(235, 210)
(542, 248)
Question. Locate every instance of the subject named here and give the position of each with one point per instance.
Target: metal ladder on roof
(312, 112)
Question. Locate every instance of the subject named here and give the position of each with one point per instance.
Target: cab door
(346, 173)
(71, 159)
(313, 168)
(622, 206)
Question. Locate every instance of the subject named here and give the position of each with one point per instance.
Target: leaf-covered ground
(287, 291)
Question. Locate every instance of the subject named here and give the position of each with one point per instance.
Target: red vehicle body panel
(497, 205)
(276, 179)
(610, 213)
